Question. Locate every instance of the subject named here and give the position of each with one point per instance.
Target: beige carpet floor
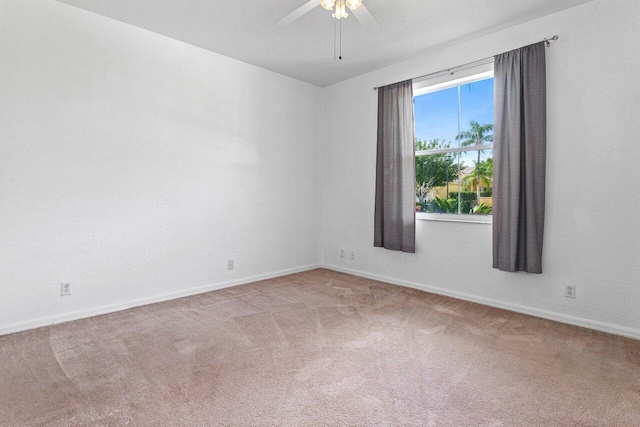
(318, 348)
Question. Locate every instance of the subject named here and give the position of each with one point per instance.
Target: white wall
(592, 238)
(133, 166)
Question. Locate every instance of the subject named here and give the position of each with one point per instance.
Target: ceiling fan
(339, 8)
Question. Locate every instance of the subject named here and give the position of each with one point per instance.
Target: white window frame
(468, 75)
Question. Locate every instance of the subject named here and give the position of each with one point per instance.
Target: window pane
(437, 115)
(435, 175)
(476, 182)
(476, 113)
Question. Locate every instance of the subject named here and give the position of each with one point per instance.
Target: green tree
(436, 169)
(476, 135)
(489, 166)
(424, 192)
(480, 177)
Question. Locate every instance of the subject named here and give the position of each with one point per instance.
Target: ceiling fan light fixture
(354, 4)
(327, 4)
(341, 11)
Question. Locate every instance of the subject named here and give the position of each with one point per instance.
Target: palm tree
(480, 177)
(477, 135)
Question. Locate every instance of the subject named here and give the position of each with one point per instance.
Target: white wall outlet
(341, 253)
(230, 264)
(570, 291)
(353, 256)
(65, 289)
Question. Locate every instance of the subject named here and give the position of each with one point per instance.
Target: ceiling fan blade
(297, 13)
(366, 18)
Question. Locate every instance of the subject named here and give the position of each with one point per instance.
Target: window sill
(468, 218)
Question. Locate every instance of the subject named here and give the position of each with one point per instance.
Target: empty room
(319, 212)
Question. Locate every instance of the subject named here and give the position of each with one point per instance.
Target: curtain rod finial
(548, 41)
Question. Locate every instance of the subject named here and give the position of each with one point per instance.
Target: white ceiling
(245, 29)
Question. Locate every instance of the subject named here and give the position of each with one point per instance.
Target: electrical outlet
(570, 291)
(341, 253)
(353, 256)
(65, 289)
(230, 264)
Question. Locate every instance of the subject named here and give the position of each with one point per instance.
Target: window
(454, 146)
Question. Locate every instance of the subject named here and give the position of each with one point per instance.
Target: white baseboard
(558, 317)
(110, 308)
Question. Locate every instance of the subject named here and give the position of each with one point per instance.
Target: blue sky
(436, 113)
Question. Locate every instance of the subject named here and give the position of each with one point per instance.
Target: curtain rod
(466, 66)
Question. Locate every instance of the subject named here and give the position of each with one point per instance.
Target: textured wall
(134, 166)
(591, 239)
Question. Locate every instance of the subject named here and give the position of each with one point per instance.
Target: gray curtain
(519, 159)
(395, 210)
